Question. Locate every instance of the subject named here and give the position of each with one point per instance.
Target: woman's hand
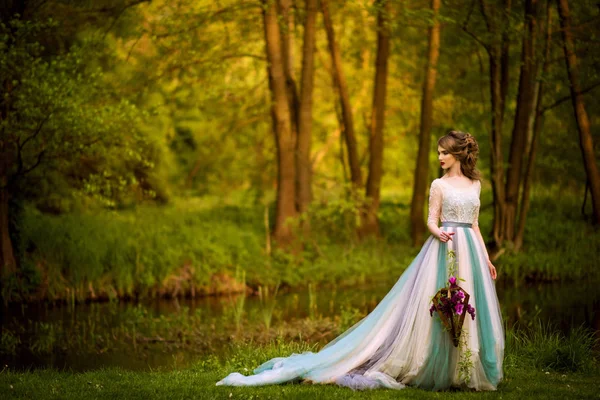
(445, 236)
(492, 269)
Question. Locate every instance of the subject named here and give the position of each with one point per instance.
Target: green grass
(522, 380)
(542, 346)
(198, 246)
(199, 384)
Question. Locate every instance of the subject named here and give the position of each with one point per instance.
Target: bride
(399, 343)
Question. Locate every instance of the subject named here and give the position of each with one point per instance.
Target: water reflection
(167, 334)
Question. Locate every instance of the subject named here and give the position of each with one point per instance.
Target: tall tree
(422, 167)
(287, 49)
(282, 127)
(8, 148)
(506, 192)
(583, 123)
(497, 48)
(369, 221)
(341, 85)
(511, 197)
(536, 131)
(524, 112)
(303, 164)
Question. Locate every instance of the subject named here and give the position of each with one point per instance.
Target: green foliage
(136, 252)
(150, 251)
(546, 348)
(61, 120)
(9, 342)
(46, 338)
(335, 216)
(556, 239)
(206, 127)
(394, 221)
(348, 317)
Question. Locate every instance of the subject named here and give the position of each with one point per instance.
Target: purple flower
(471, 311)
(452, 281)
(459, 308)
(457, 298)
(431, 310)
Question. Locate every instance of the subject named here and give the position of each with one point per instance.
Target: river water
(98, 335)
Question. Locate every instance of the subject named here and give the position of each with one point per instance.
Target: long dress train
(399, 343)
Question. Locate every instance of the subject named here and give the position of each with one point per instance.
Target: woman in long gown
(399, 343)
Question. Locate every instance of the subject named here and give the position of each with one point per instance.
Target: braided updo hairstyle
(464, 147)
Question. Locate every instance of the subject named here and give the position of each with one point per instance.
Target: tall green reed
(268, 301)
(312, 301)
(237, 303)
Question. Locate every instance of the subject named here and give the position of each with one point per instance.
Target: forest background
(202, 147)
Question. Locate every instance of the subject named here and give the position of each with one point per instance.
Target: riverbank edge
(150, 253)
(225, 285)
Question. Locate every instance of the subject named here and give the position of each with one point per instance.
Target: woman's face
(446, 159)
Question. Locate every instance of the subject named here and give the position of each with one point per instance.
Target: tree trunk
(497, 158)
(369, 221)
(525, 105)
(287, 45)
(422, 168)
(581, 116)
(8, 264)
(340, 83)
(537, 129)
(498, 53)
(286, 188)
(287, 48)
(505, 55)
(303, 163)
(8, 151)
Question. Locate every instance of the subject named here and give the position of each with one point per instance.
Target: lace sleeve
(435, 203)
(476, 214)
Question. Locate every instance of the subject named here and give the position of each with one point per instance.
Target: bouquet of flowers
(452, 303)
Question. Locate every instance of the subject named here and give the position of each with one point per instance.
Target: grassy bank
(196, 247)
(570, 373)
(198, 383)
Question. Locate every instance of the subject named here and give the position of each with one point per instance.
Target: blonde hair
(464, 148)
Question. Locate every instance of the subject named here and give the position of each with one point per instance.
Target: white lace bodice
(447, 203)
